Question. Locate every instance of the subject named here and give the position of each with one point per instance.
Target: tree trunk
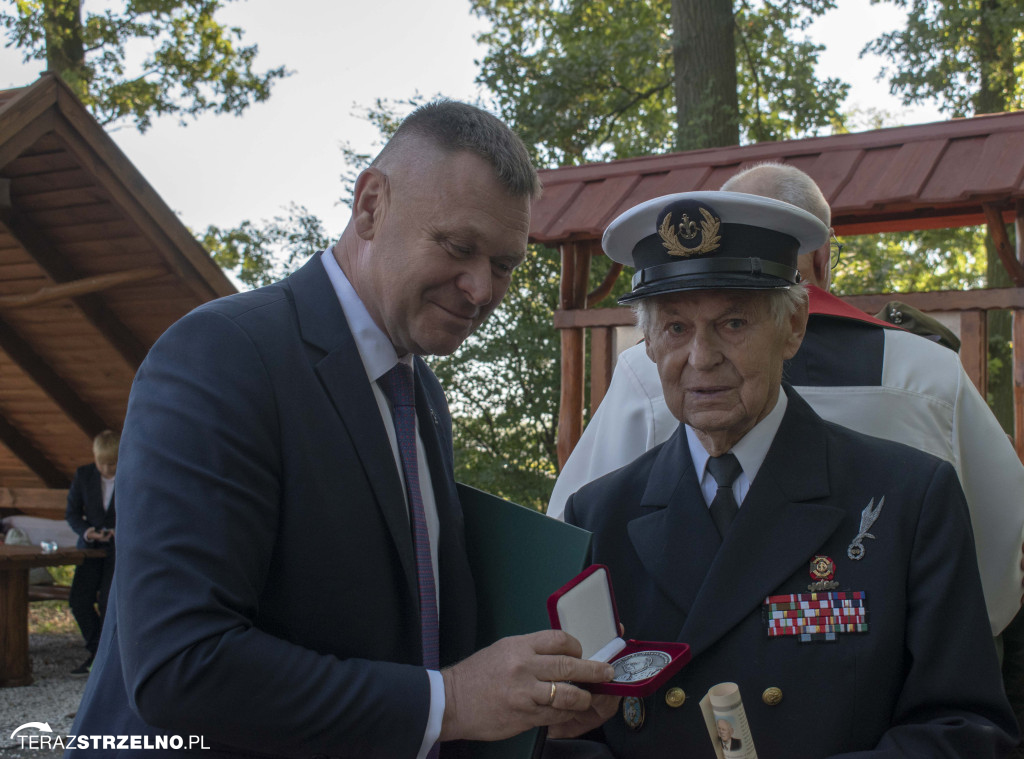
(704, 54)
(995, 59)
(65, 50)
(995, 63)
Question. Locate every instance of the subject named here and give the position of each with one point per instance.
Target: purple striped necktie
(397, 384)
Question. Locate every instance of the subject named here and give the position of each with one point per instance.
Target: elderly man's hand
(506, 688)
(601, 708)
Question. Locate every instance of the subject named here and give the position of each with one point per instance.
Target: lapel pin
(867, 518)
(823, 570)
(633, 712)
(433, 416)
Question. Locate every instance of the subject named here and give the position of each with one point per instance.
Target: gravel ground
(52, 698)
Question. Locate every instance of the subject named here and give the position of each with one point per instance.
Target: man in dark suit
(91, 514)
(830, 575)
(293, 576)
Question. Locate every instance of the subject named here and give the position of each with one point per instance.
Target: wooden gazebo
(947, 174)
(93, 268)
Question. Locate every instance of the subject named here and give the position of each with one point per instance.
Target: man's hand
(601, 708)
(506, 688)
(98, 536)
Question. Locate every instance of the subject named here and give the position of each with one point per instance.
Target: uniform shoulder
(917, 345)
(918, 365)
(875, 452)
(642, 373)
(613, 493)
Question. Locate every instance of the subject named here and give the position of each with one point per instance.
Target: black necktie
(725, 469)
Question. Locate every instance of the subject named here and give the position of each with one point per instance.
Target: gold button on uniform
(675, 697)
(772, 696)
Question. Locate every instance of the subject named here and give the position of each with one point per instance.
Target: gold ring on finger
(551, 698)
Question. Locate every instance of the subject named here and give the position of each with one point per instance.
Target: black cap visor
(711, 274)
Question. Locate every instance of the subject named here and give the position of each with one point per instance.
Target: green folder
(519, 557)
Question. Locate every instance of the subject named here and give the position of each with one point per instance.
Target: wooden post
(601, 361)
(572, 295)
(15, 666)
(1017, 336)
(1001, 241)
(974, 348)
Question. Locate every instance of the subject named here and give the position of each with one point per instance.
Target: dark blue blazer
(921, 682)
(265, 593)
(85, 506)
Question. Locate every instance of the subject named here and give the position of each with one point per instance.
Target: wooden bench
(49, 592)
(37, 502)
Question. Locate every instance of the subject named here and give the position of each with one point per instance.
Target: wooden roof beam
(600, 292)
(80, 286)
(997, 231)
(35, 501)
(30, 362)
(26, 118)
(182, 253)
(91, 305)
(30, 456)
(20, 141)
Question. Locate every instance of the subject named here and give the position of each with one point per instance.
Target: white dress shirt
(107, 488)
(750, 451)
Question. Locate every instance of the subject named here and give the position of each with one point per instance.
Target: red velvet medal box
(585, 608)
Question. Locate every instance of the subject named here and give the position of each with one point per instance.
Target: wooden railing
(971, 306)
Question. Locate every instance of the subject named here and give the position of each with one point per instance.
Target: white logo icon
(43, 727)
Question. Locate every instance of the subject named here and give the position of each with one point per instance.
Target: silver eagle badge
(867, 518)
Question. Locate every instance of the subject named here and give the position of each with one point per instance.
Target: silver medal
(639, 666)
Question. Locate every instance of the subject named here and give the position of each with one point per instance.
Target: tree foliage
(587, 81)
(966, 56)
(503, 386)
(936, 259)
(780, 94)
(261, 253)
(145, 58)
(584, 81)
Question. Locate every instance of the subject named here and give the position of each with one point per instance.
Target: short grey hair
(782, 304)
(453, 126)
(785, 183)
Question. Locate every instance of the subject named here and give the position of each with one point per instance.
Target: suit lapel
(456, 591)
(95, 514)
(779, 527)
(93, 497)
(110, 518)
(677, 541)
(322, 324)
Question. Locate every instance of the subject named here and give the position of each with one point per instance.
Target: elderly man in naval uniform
(857, 371)
(830, 575)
